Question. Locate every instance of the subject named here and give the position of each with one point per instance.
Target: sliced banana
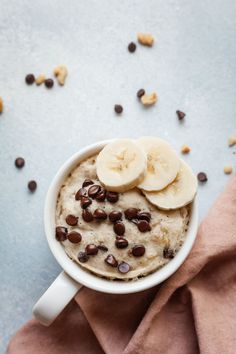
(162, 163)
(121, 165)
(179, 193)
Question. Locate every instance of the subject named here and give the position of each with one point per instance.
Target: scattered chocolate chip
(119, 228)
(61, 233)
(140, 93)
(131, 213)
(168, 253)
(121, 242)
(85, 202)
(123, 267)
(32, 185)
(49, 83)
(112, 197)
(101, 196)
(180, 115)
(102, 248)
(144, 215)
(138, 250)
(94, 190)
(132, 47)
(100, 214)
(30, 79)
(118, 108)
(87, 182)
(91, 249)
(74, 237)
(115, 216)
(83, 257)
(72, 220)
(111, 261)
(202, 177)
(19, 162)
(143, 226)
(87, 215)
(82, 192)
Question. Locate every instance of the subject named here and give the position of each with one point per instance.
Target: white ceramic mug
(66, 285)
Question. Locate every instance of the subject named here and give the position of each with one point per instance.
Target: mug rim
(87, 278)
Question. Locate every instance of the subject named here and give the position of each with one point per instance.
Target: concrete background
(192, 67)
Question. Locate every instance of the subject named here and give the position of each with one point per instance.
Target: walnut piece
(228, 169)
(145, 39)
(232, 140)
(40, 79)
(185, 149)
(1, 104)
(61, 73)
(148, 100)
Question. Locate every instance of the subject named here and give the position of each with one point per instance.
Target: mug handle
(55, 299)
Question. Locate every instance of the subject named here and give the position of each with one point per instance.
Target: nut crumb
(232, 140)
(61, 73)
(1, 104)
(228, 169)
(148, 100)
(185, 149)
(40, 79)
(145, 39)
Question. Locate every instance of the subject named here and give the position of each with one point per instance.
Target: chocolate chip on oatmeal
(123, 267)
(85, 202)
(138, 250)
(19, 162)
(102, 248)
(30, 79)
(119, 228)
(94, 190)
(87, 182)
(112, 197)
(144, 215)
(132, 47)
(143, 226)
(202, 177)
(49, 83)
(83, 257)
(82, 192)
(131, 213)
(91, 249)
(87, 215)
(74, 237)
(100, 214)
(180, 115)
(111, 261)
(115, 216)
(168, 253)
(101, 196)
(61, 233)
(72, 220)
(121, 242)
(32, 185)
(140, 93)
(118, 108)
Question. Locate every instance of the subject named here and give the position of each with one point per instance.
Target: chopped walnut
(61, 73)
(148, 100)
(232, 140)
(145, 39)
(228, 169)
(40, 79)
(1, 104)
(185, 149)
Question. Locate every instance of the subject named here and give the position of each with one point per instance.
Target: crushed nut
(40, 79)
(228, 169)
(148, 100)
(145, 39)
(185, 149)
(232, 140)
(61, 73)
(1, 104)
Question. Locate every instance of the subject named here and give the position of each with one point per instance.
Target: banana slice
(121, 165)
(162, 163)
(179, 193)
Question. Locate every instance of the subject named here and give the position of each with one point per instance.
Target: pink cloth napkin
(193, 311)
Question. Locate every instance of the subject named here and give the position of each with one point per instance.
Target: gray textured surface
(192, 66)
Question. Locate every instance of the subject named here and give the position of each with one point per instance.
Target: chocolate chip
(180, 115)
(30, 79)
(87, 215)
(131, 213)
(101, 196)
(138, 250)
(115, 216)
(168, 253)
(144, 215)
(32, 185)
(49, 83)
(82, 192)
(118, 108)
(83, 257)
(87, 182)
(202, 177)
(91, 249)
(119, 228)
(72, 220)
(143, 226)
(19, 162)
(140, 93)
(123, 267)
(111, 261)
(121, 242)
(94, 190)
(112, 197)
(100, 214)
(85, 202)
(61, 233)
(74, 237)
(132, 47)
(102, 248)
